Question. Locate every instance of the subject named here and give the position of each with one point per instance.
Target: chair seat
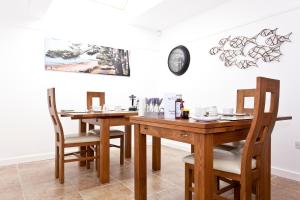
(227, 161)
(231, 145)
(112, 132)
(75, 138)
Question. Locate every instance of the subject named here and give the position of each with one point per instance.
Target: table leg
(203, 172)
(140, 164)
(82, 129)
(128, 141)
(104, 151)
(156, 153)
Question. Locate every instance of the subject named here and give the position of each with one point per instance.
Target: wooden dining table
(104, 120)
(203, 135)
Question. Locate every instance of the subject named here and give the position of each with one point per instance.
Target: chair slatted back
(59, 133)
(91, 95)
(242, 94)
(262, 123)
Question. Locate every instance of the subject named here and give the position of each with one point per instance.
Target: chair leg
(188, 182)
(218, 183)
(98, 159)
(61, 164)
(89, 153)
(56, 161)
(246, 190)
(258, 190)
(122, 150)
(237, 191)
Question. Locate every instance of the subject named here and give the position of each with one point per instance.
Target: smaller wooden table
(105, 120)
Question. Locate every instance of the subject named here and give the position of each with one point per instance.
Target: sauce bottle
(178, 106)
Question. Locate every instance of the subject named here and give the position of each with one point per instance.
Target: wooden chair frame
(89, 100)
(256, 147)
(242, 94)
(60, 144)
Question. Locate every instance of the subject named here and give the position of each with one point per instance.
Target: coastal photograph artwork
(244, 52)
(69, 56)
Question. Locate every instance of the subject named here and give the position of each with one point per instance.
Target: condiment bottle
(178, 104)
(185, 113)
(181, 108)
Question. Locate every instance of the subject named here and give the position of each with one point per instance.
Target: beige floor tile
(11, 193)
(108, 192)
(173, 193)
(74, 196)
(47, 190)
(36, 181)
(9, 177)
(122, 172)
(88, 180)
(36, 172)
(155, 184)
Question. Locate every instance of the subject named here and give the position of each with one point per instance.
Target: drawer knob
(184, 134)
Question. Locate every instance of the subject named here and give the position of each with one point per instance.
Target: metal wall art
(245, 52)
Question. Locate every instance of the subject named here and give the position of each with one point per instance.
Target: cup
(94, 109)
(105, 108)
(118, 108)
(212, 111)
(200, 112)
(227, 111)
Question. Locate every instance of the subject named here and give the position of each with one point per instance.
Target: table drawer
(181, 136)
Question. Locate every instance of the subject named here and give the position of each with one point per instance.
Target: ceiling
(30, 9)
(155, 15)
(117, 4)
(170, 12)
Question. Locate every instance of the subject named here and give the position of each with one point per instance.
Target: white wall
(23, 80)
(208, 82)
(26, 129)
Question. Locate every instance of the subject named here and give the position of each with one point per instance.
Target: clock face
(179, 60)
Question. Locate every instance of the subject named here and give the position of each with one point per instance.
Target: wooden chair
(63, 141)
(244, 168)
(114, 134)
(242, 94)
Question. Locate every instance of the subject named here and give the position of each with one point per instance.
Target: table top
(197, 124)
(100, 114)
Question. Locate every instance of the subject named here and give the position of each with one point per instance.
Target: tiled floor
(35, 181)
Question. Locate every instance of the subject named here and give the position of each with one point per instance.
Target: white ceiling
(170, 12)
(32, 9)
(118, 4)
(154, 15)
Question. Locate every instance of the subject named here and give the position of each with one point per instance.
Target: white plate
(234, 114)
(206, 119)
(236, 118)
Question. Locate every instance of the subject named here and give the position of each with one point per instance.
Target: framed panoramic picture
(68, 56)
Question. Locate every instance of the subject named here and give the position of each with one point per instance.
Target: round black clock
(179, 60)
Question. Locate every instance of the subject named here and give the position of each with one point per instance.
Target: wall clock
(179, 60)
